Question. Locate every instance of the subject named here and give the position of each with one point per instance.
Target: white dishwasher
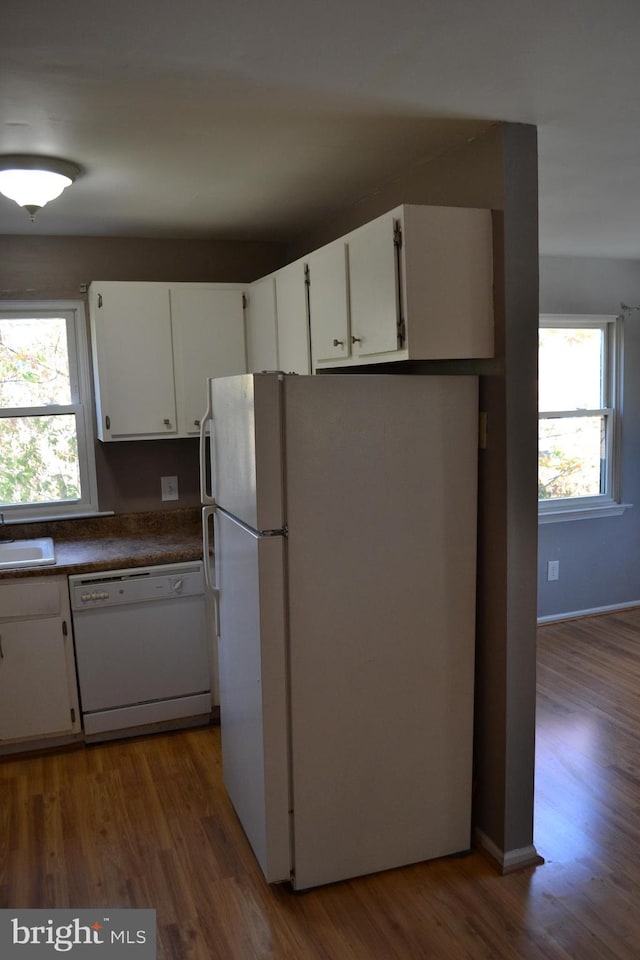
(142, 652)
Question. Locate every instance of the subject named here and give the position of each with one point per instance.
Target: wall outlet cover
(169, 488)
(553, 570)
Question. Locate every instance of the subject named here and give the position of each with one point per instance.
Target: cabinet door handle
(107, 422)
(196, 423)
(1, 650)
(356, 339)
(338, 343)
(167, 422)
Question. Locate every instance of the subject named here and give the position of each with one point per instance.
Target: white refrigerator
(344, 525)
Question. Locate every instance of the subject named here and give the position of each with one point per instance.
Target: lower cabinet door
(34, 691)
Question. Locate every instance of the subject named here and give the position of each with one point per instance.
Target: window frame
(81, 406)
(607, 503)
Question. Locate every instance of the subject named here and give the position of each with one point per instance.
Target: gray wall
(598, 557)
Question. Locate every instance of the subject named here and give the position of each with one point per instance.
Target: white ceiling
(239, 118)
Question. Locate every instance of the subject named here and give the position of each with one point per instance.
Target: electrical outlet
(169, 488)
(553, 570)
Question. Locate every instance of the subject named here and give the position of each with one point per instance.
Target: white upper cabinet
(154, 346)
(373, 289)
(329, 303)
(208, 341)
(414, 284)
(292, 319)
(447, 282)
(132, 360)
(261, 326)
(277, 322)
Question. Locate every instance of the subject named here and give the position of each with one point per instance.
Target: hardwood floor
(147, 823)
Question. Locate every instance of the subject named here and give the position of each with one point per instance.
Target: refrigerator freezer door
(246, 448)
(253, 688)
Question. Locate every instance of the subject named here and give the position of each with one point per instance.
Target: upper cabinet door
(208, 341)
(329, 302)
(292, 319)
(420, 287)
(447, 297)
(373, 282)
(262, 336)
(133, 360)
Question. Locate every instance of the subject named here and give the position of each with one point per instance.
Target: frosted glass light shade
(34, 181)
(32, 187)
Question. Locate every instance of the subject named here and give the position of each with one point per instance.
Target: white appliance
(344, 515)
(141, 649)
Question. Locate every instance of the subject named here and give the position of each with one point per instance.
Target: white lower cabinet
(154, 345)
(38, 689)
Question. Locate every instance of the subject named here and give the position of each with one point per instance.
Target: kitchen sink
(26, 553)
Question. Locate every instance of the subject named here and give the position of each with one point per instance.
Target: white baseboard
(591, 612)
(509, 860)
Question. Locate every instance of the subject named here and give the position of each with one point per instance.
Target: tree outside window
(46, 448)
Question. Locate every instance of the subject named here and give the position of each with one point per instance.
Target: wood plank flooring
(147, 823)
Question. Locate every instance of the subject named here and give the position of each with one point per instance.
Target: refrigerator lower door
(250, 571)
(381, 507)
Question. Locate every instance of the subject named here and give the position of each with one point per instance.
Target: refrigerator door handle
(206, 427)
(212, 585)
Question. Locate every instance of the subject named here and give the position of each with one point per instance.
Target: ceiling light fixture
(33, 181)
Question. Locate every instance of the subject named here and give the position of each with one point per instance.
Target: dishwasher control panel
(136, 585)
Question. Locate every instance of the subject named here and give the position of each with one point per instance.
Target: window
(47, 466)
(578, 429)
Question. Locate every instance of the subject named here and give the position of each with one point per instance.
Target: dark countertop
(113, 543)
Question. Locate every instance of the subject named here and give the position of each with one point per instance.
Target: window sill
(563, 514)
